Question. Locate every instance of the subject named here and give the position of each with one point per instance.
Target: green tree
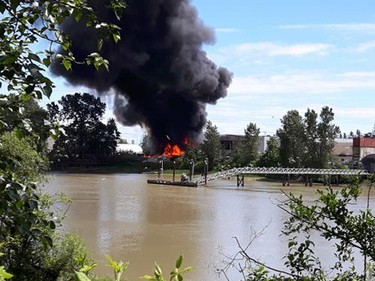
(211, 147)
(327, 132)
(28, 119)
(24, 23)
(271, 157)
(311, 139)
(291, 137)
(27, 225)
(84, 133)
(358, 133)
(308, 141)
(20, 156)
(248, 151)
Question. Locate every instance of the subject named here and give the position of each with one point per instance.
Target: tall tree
(358, 133)
(271, 157)
(28, 119)
(327, 132)
(84, 133)
(307, 142)
(248, 151)
(310, 157)
(211, 146)
(291, 137)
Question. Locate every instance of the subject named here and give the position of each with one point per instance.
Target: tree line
(302, 141)
(82, 138)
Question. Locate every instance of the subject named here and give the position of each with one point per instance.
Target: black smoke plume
(161, 77)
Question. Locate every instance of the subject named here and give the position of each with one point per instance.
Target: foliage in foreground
(334, 217)
(119, 267)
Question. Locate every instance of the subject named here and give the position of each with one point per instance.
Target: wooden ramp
(178, 183)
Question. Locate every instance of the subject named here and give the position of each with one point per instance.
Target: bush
(332, 216)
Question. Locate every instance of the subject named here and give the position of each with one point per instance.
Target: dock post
(191, 169)
(240, 180)
(288, 183)
(174, 171)
(311, 182)
(205, 170)
(306, 180)
(161, 172)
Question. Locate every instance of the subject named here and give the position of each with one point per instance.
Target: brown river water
(123, 216)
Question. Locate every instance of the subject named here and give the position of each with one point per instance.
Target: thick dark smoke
(161, 77)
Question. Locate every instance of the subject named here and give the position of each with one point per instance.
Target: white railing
(277, 170)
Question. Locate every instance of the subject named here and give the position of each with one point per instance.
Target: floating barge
(178, 183)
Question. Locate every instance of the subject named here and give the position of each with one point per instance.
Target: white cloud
(264, 100)
(363, 47)
(271, 49)
(227, 30)
(353, 27)
(366, 113)
(313, 82)
(260, 53)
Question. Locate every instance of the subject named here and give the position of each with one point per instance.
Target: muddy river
(123, 216)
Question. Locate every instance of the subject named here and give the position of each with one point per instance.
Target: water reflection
(123, 216)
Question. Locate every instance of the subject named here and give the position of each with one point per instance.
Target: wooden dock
(178, 183)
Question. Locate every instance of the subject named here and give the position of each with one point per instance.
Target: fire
(173, 151)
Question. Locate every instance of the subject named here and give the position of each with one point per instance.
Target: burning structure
(159, 74)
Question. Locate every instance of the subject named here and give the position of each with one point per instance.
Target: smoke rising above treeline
(161, 77)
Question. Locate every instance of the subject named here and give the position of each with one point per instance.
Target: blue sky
(287, 55)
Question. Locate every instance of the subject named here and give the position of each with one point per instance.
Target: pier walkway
(277, 170)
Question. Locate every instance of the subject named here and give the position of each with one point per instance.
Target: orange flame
(173, 151)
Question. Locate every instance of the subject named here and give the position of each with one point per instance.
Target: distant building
(343, 150)
(132, 148)
(230, 143)
(364, 151)
(263, 140)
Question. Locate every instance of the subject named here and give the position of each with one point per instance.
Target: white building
(132, 148)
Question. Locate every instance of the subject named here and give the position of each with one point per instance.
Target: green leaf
(116, 37)
(179, 261)
(29, 89)
(148, 277)
(52, 225)
(82, 276)
(67, 64)
(14, 4)
(35, 57)
(47, 90)
(2, 7)
(47, 62)
(4, 274)
(158, 271)
(186, 269)
(9, 59)
(77, 14)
